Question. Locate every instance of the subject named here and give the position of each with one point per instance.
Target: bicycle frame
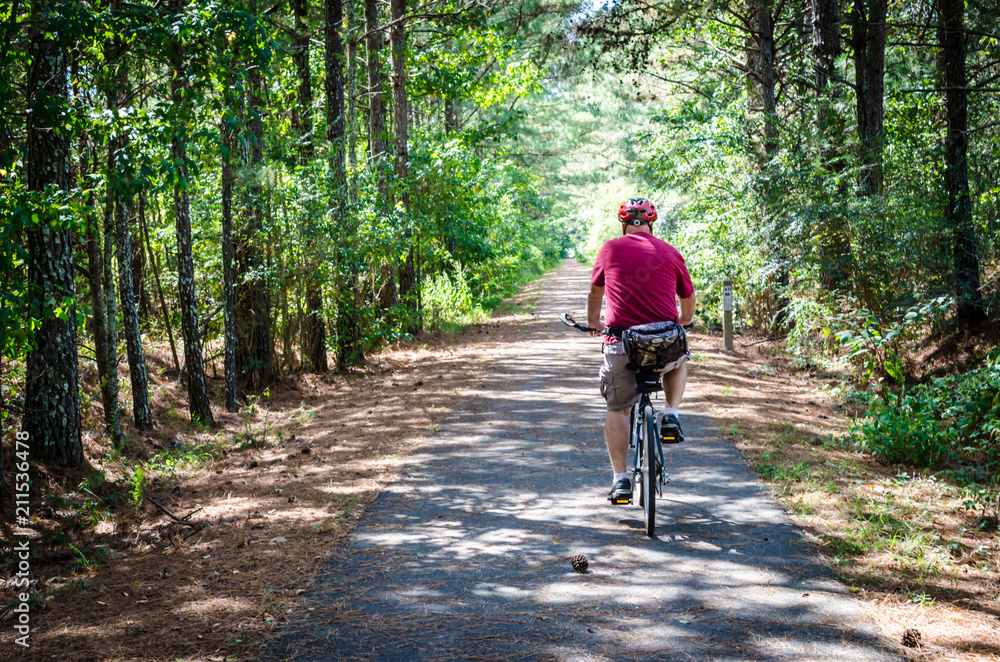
(637, 416)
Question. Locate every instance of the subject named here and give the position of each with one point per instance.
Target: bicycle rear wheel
(649, 473)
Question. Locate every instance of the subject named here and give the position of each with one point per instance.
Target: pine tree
(52, 397)
(201, 410)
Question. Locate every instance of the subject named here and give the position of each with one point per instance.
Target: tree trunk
(761, 69)
(95, 273)
(139, 262)
(304, 95)
(834, 242)
(352, 95)
(334, 89)
(765, 24)
(52, 395)
(376, 104)
(119, 179)
(348, 342)
(970, 310)
(314, 327)
(228, 289)
(110, 305)
(825, 48)
(201, 410)
(868, 38)
(407, 275)
(133, 335)
(450, 116)
(377, 135)
(254, 345)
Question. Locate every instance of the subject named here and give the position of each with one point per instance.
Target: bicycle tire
(635, 447)
(649, 474)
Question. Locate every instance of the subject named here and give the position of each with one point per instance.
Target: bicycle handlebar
(568, 320)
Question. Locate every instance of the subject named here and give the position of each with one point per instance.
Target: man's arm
(594, 307)
(687, 310)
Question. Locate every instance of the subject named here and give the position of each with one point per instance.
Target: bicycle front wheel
(649, 462)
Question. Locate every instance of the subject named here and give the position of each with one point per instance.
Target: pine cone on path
(580, 563)
(911, 638)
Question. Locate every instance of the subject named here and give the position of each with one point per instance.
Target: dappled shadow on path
(468, 555)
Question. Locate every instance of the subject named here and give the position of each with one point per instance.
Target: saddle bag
(654, 346)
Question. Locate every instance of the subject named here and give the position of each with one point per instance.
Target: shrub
(956, 417)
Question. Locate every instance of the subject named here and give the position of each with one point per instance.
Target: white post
(727, 314)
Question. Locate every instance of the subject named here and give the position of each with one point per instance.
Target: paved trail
(467, 556)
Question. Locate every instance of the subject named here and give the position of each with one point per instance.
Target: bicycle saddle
(648, 382)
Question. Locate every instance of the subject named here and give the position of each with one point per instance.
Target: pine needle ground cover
(904, 539)
(256, 506)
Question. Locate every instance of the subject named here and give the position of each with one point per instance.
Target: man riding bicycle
(640, 275)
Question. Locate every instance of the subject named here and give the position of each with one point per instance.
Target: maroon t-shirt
(641, 276)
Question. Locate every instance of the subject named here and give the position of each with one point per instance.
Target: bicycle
(648, 472)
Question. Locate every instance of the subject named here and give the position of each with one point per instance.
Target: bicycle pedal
(620, 502)
(670, 436)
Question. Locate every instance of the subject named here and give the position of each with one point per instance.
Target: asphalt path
(467, 556)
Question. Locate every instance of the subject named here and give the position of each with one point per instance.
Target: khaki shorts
(618, 382)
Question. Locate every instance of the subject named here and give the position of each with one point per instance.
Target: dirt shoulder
(257, 505)
(900, 538)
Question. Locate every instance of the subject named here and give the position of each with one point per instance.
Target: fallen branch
(163, 509)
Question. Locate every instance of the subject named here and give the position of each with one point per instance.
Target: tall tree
(120, 182)
(351, 93)
(377, 133)
(112, 407)
(869, 33)
(314, 336)
(970, 308)
(303, 93)
(95, 277)
(201, 410)
(834, 241)
(761, 56)
(226, 130)
(52, 396)
(825, 48)
(95, 270)
(401, 119)
(348, 342)
(766, 80)
(376, 103)
(254, 344)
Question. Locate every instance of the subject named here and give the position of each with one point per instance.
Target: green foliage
(137, 486)
(482, 226)
(449, 299)
(879, 347)
(954, 418)
(96, 496)
(983, 498)
(170, 461)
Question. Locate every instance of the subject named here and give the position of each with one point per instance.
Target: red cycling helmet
(637, 211)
